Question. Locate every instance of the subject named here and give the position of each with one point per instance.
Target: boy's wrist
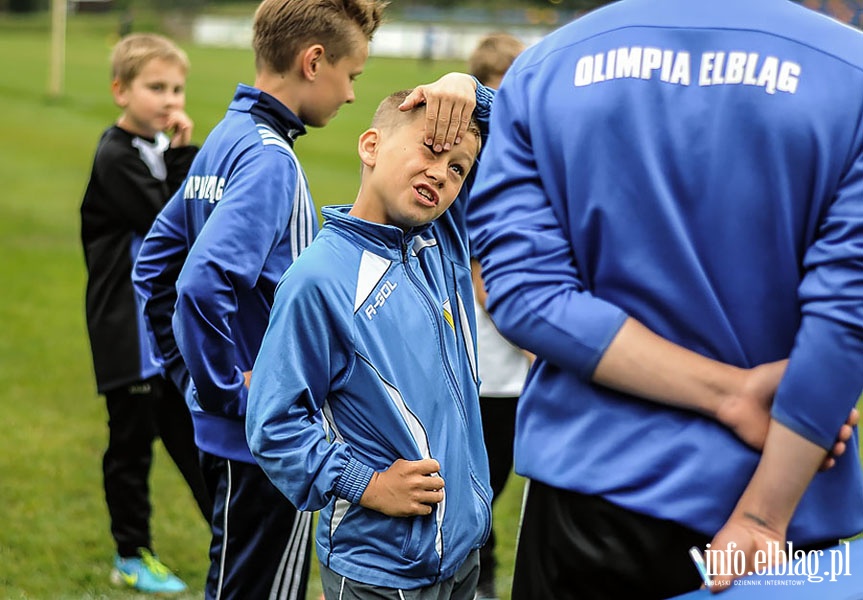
(352, 483)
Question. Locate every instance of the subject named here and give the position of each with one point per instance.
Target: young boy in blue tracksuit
(208, 267)
(689, 170)
(364, 399)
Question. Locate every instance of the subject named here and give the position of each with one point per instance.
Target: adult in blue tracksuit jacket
(389, 370)
(696, 167)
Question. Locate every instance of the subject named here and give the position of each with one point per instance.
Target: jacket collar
(384, 240)
(265, 107)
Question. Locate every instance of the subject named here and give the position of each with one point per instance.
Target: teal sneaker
(146, 573)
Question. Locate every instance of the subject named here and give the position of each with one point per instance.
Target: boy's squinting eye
(458, 169)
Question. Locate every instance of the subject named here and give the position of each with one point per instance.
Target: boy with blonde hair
(492, 57)
(139, 162)
(364, 403)
(218, 250)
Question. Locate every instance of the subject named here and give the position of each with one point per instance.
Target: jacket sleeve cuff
(484, 100)
(353, 481)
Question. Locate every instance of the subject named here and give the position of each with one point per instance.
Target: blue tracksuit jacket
(375, 328)
(370, 357)
(698, 166)
(240, 219)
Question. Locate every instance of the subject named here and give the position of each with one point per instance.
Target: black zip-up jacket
(131, 180)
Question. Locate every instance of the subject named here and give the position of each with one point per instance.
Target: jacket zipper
(450, 376)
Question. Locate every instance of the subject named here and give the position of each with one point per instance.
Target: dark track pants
(498, 428)
(137, 415)
(261, 544)
(576, 546)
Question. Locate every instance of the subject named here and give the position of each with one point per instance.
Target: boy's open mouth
(426, 195)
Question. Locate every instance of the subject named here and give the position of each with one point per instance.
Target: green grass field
(54, 538)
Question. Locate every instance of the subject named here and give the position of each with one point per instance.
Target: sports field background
(54, 538)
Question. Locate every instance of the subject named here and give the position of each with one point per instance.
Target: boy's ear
(310, 61)
(118, 91)
(368, 145)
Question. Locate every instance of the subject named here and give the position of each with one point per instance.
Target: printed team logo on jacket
(204, 187)
(716, 67)
(372, 290)
(379, 298)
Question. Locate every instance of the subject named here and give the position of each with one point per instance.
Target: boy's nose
(436, 171)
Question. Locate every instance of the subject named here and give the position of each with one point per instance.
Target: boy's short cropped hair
(283, 27)
(493, 55)
(388, 115)
(135, 50)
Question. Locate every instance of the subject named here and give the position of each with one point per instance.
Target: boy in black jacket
(140, 161)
